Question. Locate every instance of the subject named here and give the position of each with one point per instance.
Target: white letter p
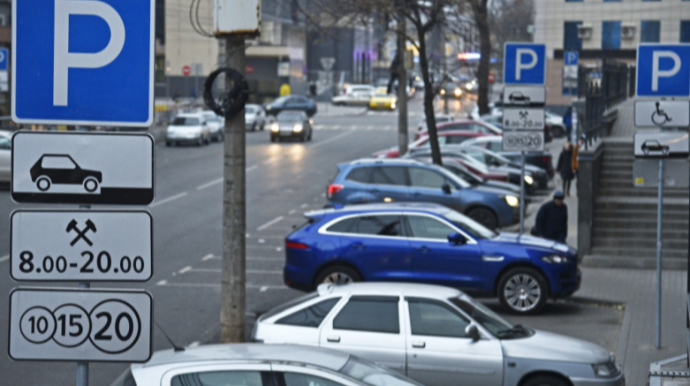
(656, 73)
(519, 66)
(64, 60)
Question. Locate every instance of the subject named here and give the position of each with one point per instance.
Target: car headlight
(275, 128)
(393, 105)
(458, 92)
(606, 370)
(512, 201)
(269, 107)
(297, 128)
(555, 259)
(529, 180)
(443, 92)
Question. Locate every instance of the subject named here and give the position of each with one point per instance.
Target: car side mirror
(472, 331)
(446, 188)
(456, 238)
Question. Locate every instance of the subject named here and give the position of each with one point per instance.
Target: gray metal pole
(83, 367)
(233, 275)
(658, 252)
(522, 195)
(402, 90)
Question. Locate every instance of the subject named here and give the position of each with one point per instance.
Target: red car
(444, 138)
(467, 125)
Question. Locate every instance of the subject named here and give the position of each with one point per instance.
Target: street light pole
(402, 88)
(233, 275)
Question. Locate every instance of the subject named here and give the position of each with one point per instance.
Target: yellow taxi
(381, 100)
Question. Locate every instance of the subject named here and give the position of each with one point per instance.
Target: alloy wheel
(522, 292)
(338, 278)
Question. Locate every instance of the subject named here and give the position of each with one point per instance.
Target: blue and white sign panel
(525, 63)
(83, 62)
(4, 57)
(663, 70)
(571, 58)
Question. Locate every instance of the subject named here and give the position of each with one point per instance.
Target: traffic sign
(4, 58)
(82, 168)
(59, 324)
(662, 113)
(186, 70)
(523, 140)
(85, 245)
(525, 63)
(658, 144)
(570, 58)
(523, 119)
(249, 69)
(663, 70)
(83, 62)
(327, 62)
(524, 96)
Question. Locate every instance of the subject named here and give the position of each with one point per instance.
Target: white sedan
(188, 128)
(258, 365)
(5, 156)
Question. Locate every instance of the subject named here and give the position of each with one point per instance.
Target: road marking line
(330, 139)
(162, 282)
(353, 127)
(292, 211)
(214, 182)
(336, 127)
(249, 169)
(211, 270)
(268, 224)
(304, 206)
(194, 344)
(185, 269)
(208, 257)
(370, 127)
(4, 258)
(167, 200)
(263, 289)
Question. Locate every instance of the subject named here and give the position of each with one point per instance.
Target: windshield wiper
(516, 330)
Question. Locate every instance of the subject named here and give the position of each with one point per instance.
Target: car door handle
(418, 344)
(423, 249)
(333, 338)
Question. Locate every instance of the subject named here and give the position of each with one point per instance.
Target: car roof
(390, 288)
(387, 207)
(383, 161)
(330, 359)
(189, 115)
(6, 133)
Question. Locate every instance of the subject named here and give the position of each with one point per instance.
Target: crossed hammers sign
(81, 234)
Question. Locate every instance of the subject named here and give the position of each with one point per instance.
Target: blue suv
(401, 180)
(428, 243)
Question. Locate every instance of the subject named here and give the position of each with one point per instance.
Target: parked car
(252, 364)
(555, 122)
(254, 117)
(495, 120)
(357, 98)
(541, 178)
(382, 101)
(353, 88)
(540, 159)
(428, 243)
(371, 180)
(188, 128)
(5, 156)
(444, 138)
(291, 124)
(451, 89)
(291, 102)
(464, 125)
(455, 166)
(494, 109)
(437, 335)
(440, 118)
(216, 125)
(61, 169)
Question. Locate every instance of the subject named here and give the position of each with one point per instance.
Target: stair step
(640, 224)
(640, 252)
(639, 192)
(634, 213)
(651, 205)
(631, 234)
(639, 242)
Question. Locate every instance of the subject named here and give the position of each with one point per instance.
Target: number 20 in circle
(115, 326)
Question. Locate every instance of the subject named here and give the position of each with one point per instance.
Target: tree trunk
(481, 19)
(429, 95)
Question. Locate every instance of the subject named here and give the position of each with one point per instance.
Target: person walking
(552, 219)
(565, 167)
(568, 123)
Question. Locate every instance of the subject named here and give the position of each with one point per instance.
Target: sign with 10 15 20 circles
(59, 324)
(81, 245)
(82, 168)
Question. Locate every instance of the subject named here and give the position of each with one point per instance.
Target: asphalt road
(283, 181)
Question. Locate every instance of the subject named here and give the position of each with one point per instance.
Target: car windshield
(289, 117)
(374, 375)
(470, 226)
(464, 173)
(5, 143)
(488, 319)
(211, 117)
(289, 304)
(281, 100)
(186, 121)
(378, 95)
(457, 180)
(250, 110)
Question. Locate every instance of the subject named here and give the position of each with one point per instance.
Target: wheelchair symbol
(659, 117)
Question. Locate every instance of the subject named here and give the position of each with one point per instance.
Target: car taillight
(294, 245)
(545, 159)
(333, 189)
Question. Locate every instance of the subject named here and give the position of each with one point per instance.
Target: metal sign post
(659, 209)
(522, 195)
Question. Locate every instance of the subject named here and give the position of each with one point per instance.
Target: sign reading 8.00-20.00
(71, 324)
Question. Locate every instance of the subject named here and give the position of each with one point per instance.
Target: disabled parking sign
(83, 62)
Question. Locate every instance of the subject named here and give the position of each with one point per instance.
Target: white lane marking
(330, 139)
(292, 211)
(268, 224)
(162, 282)
(353, 127)
(6, 257)
(263, 289)
(208, 257)
(211, 270)
(304, 206)
(209, 184)
(249, 169)
(336, 127)
(194, 344)
(185, 269)
(167, 200)
(370, 127)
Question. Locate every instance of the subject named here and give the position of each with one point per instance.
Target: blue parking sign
(525, 63)
(83, 62)
(570, 58)
(663, 70)
(4, 56)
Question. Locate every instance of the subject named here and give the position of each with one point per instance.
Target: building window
(571, 42)
(611, 35)
(685, 31)
(649, 31)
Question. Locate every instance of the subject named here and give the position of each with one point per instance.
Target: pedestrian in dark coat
(568, 123)
(565, 167)
(552, 219)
